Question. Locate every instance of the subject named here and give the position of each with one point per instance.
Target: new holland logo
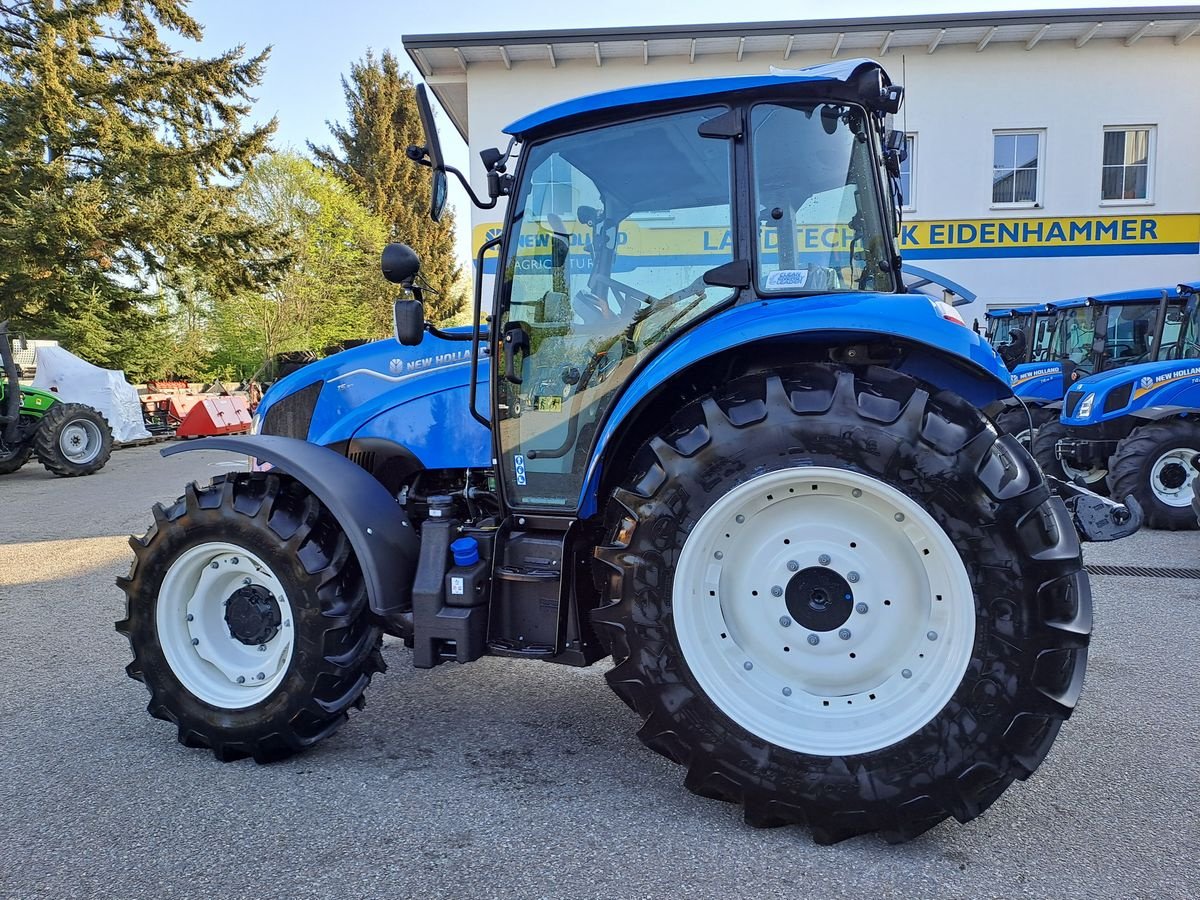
(1036, 373)
(396, 366)
(1146, 383)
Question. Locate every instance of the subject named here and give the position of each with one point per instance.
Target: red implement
(216, 415)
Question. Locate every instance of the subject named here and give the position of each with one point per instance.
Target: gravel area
(516, 779)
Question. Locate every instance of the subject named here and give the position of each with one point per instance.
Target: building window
(908, 169)
(1016, 167)
(551, 187)
(1125, 174)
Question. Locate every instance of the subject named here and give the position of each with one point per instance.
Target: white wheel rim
(203, 654)
(1180, 496)
(911, 621)
(1089, 476)
(80, 441)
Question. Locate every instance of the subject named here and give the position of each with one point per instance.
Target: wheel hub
(819, 599)
(252, 614)
(1173, 476)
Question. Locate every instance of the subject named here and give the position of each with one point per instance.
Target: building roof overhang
(445, 59)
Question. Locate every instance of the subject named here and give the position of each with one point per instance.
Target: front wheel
(13, 456)
(247, 614)
(1017, 422)
(73, 439)
(1154, 463)
(843, 602)
(1045, 452)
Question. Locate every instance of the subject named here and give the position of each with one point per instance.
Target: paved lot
(509, 779)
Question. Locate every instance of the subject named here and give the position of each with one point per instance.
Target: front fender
(943, 353)
(380, 534)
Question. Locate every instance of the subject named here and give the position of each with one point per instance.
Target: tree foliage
(331, 290)
(119, 158)
(369, 155)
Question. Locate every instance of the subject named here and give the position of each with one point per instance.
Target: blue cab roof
(841, 71)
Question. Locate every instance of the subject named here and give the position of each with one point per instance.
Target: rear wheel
(13, 456)
(247, 614)
(1154, 463)
(844, 603)
(73, 440)
(1044, 452)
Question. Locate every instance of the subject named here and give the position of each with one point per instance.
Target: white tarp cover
(76, 381)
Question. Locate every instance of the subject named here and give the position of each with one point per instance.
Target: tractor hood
(1150, 389)
(1038, 381)
(324, 401)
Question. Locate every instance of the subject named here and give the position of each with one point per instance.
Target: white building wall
(955, 98)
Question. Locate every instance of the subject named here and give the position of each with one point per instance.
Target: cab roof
(1130, 296)
(836, 72)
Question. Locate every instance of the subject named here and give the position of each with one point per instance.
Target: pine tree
(118, 163)
(369, 156)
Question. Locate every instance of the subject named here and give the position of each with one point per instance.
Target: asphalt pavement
(505, 778)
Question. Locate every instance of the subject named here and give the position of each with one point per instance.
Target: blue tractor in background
(1072, 339)
(704, 431)
(1138, 427)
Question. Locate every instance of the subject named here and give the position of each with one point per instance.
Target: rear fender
(939, 352)
(375, 524)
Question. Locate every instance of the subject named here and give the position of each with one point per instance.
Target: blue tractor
(705, 432)
(1138, 427)
(1072, 339)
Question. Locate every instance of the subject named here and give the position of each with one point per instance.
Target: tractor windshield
(1181, 334)
(1129, 335)
(1074, 335)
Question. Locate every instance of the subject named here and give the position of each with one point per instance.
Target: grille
(291, 416)
(1072, 401)
(1143, 572)
(1119, 398)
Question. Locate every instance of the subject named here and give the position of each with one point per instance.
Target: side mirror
(409, 319)
(433, 151)
(400, 264)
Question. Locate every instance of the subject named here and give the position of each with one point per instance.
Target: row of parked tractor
(1108, 394)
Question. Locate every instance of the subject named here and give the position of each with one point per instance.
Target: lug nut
(739, 518)
(907, 673)
(747, 665)
(260, 676)
(785, 621)
(776, 591)
(861, 608)
(195, 642)
(823, 559)
(844, 634)
(241, 679)
(262, 648)
(856, 493)
(190, 617)
(852, 577)
(215, 565)
(932, 635)
(246, 580)
(234, 560)
(718, 555)
(793, 566)
(787, 692)
(814, 639)
(899, 517)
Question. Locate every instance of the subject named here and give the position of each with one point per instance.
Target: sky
(314, 42)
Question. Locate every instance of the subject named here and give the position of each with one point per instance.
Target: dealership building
(1051, 153)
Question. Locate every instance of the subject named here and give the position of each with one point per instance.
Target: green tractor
(69, 438)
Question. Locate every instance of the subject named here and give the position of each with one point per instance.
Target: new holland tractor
(1072, 339)
(69, 439)
(1138, 427)
(704, 432)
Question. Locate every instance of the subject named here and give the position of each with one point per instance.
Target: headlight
(1085, 408)
(255, 424)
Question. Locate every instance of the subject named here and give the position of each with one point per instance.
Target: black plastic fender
(375, 524)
